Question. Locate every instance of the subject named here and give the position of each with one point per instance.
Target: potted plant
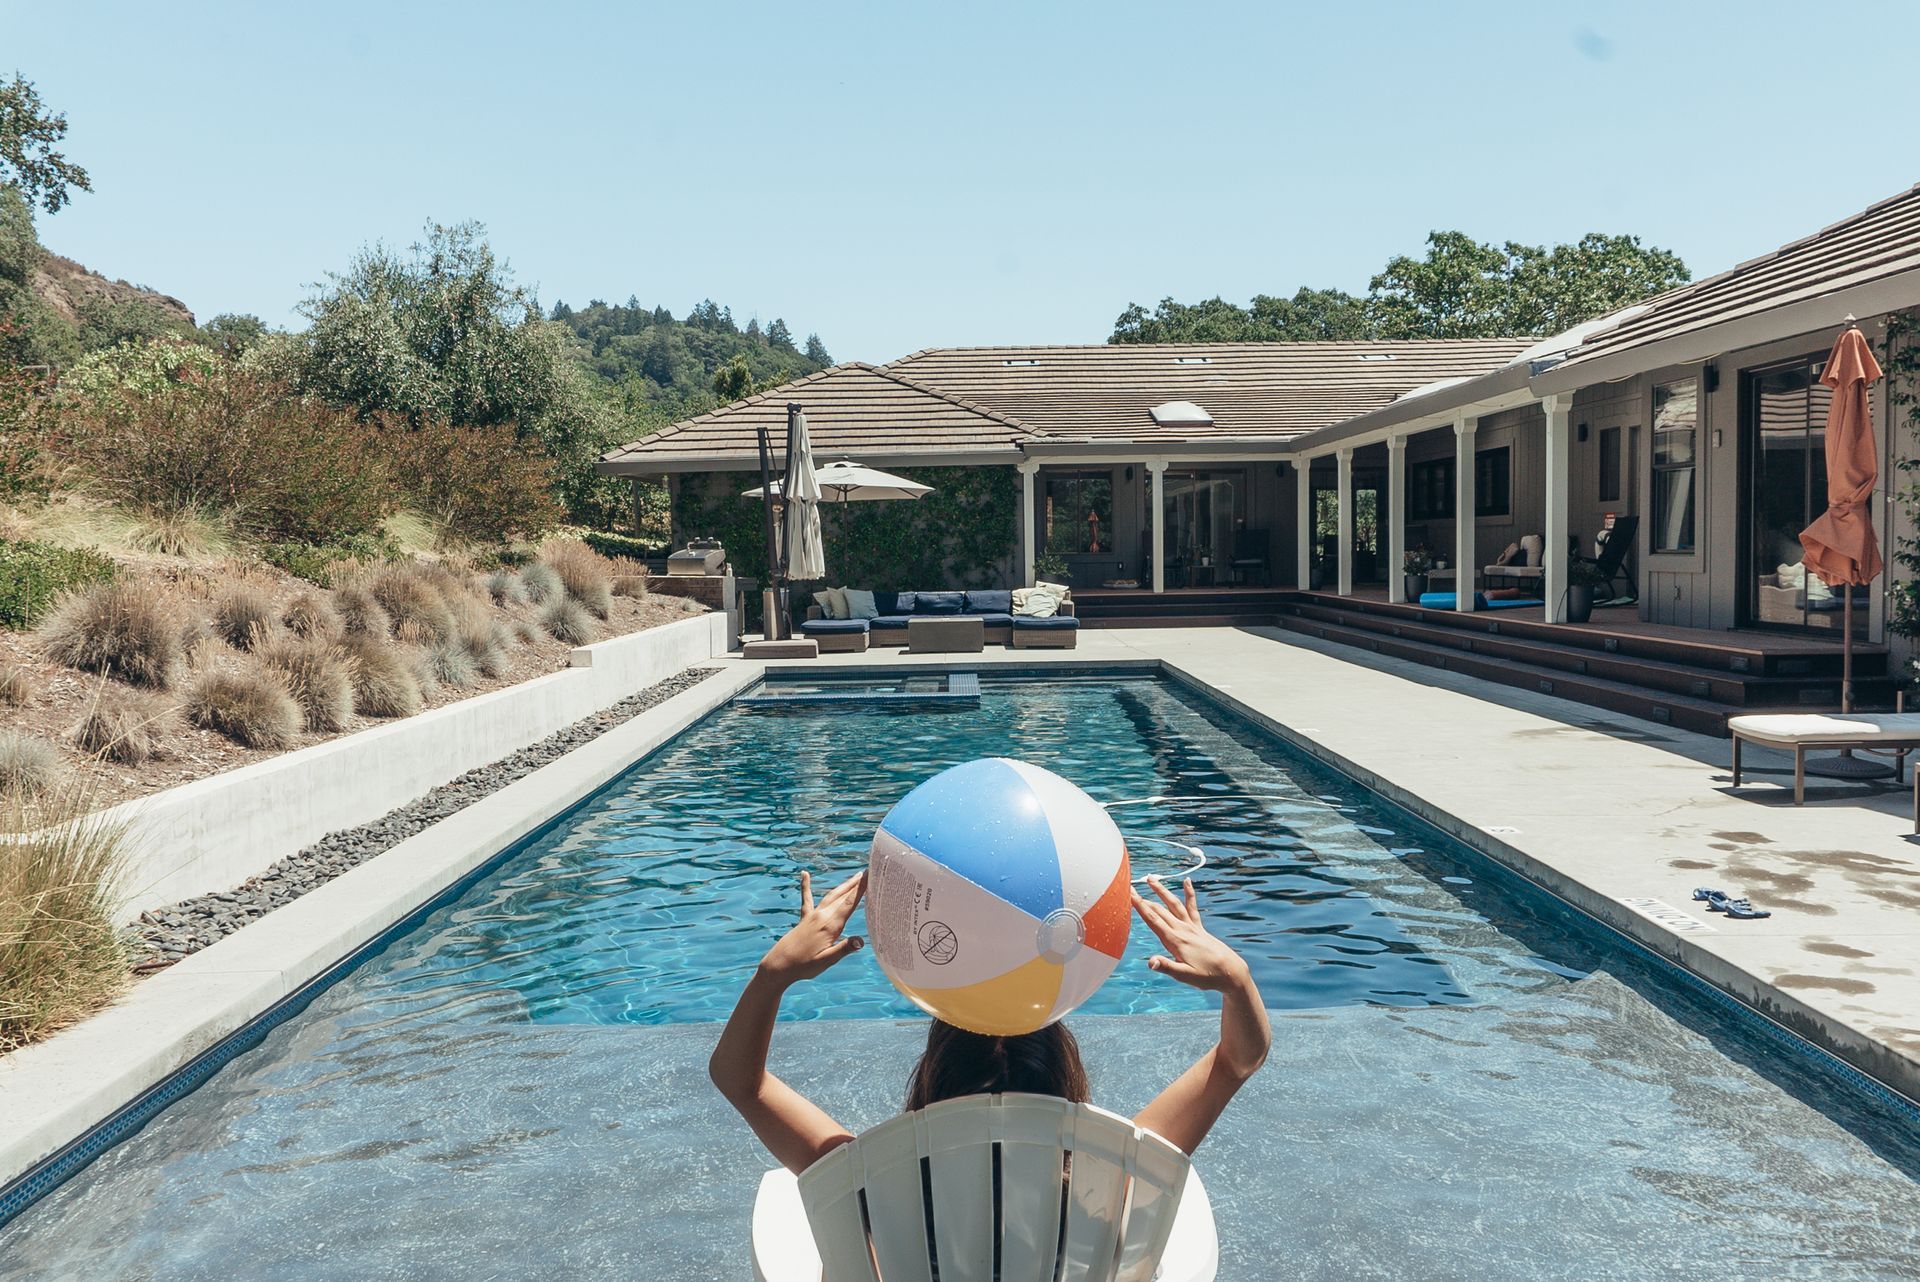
(1416, 564)
(1582, 578)
(1050, 566)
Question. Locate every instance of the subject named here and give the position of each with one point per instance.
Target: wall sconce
(1279, 469)
(1709, 379)
(1583, 433)
(1129, 472)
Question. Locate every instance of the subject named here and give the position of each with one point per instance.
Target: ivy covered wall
(963, 535)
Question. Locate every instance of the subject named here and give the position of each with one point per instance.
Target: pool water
(1468, 1079)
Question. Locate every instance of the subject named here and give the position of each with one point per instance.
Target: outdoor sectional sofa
(897, 610)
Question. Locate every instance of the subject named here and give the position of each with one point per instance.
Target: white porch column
(1303, 523)
(1465, 554)
(1345, 484)
(1559, 465)
(1396, 518)
(1027, 549)
(1157, 469)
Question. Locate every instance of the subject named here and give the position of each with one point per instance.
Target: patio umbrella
(1840, 544)
(805, 557)
(845, 482)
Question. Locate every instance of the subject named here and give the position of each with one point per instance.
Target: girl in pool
(798, 1132)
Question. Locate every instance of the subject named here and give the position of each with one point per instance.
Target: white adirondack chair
(918, 1193)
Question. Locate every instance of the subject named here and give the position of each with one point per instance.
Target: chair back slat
(896, 1199)
(1120, 1197)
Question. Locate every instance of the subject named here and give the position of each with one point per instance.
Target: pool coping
(65, 1100)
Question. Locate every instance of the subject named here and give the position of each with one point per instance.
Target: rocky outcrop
(67, 287)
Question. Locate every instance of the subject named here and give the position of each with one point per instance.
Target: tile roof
(1880, 241)
(1106, 392)
(854, 410)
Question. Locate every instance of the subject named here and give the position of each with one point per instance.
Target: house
(1699, 412)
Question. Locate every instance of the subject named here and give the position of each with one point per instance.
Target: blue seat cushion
(990, 602)
(939, 602)
(886, 603)
(992, 620)
(833, 627)
(887, 621)
(1053, 623)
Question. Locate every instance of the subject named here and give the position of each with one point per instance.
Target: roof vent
(1193, 360)
(1023, 361)
(1181, 414)
(1375, 356)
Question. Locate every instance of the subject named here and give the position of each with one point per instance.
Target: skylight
(1180, 414)
(1193, 360)
(1376, 356)
(1026, 361)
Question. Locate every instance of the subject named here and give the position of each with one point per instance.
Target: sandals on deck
(1719, 901)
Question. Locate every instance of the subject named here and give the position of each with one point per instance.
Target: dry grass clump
(118, 726)
(318, 675)
(505, 587)
(540, 583)
(415, 634)
(244, 616)
(360, 614)
(123, 628)
(583, 573)
(251, 706)
(192, 533)
(567, 620)
(451, 664)
(16, 687)
(409, 596)
(383, 681)
(525, 633)
(61, 956)
(29, 765)
(313, 616)
(629, 576)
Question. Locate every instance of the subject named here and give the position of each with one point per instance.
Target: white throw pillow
(1035, 603)
(860, 604)
(1060, 590)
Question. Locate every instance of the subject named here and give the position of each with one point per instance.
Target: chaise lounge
(1897, 733)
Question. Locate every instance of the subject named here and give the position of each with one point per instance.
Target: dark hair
(958, 1063)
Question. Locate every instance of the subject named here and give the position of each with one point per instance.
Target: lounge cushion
(939, 602)
(998, 620)
(885, 602)
(888, 621)
(832, 627)
(1051, 623)
(860, 604)
(990, 601)
(832, 603)
(1789, 728)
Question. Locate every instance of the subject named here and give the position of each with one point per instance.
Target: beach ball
(998, 896)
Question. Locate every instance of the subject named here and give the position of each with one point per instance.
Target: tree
(1460, 289)
(29, 159)
(31, 331)
(817, 351)
(234, 334)
(733, 381)
(561, 312)
(779, 336)
(753, 330)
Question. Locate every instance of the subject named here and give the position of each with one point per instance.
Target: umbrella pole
(1846, 765)
(1846, 652)
(768, 597)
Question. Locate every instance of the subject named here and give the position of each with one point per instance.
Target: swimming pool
(1468, 1080)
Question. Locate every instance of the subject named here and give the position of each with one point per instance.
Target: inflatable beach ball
(998, 896)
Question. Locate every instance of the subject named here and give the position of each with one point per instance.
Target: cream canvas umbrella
(845, 482)
(806, 558)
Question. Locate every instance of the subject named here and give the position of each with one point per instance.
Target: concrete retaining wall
(213, 833)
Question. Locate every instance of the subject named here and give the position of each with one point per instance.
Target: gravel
(162, 936)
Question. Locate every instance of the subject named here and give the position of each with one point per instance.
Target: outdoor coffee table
(952, 634)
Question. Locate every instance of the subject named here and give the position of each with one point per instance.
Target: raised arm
(1184, 1112)
(795, 1129)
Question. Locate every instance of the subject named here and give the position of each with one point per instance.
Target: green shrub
(481, 483)
(621, 545)
(321, 563)
(120, 629)
(34, 575)
(451, 664)
(251, 707)
(541, 583)
(567, 620)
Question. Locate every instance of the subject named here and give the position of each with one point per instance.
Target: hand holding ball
(998, 896)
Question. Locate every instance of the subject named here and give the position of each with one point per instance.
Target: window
(1430, 490)
(1492, 482)
(1675, 433)
(1609, 465)
(1077, 513)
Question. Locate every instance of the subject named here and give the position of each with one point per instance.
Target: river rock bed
(162, 936)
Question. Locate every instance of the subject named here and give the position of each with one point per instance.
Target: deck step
(1264, 618)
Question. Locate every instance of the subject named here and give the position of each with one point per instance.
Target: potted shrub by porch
(1582, 578)
(1416, 564)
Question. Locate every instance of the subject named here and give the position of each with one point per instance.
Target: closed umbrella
(806, 558)
(1840, 544)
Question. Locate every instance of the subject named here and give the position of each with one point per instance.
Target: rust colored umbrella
(1840, 545)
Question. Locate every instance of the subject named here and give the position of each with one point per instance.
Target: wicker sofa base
(1050, 639)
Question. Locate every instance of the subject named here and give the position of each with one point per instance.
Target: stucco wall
(213, 833)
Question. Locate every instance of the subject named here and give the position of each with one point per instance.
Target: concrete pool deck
(1606, 811)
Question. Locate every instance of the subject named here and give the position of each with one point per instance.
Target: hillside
(653, 359)
(72, 291)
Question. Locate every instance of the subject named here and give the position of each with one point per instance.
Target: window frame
(1657, 470)
(1482, 489)
(1609, 485)
(1421, 485)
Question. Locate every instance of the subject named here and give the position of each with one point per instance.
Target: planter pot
(1416, 586)
(1579, 603)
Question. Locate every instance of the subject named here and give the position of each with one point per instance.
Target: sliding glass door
(1201, 511)
(1787, 488)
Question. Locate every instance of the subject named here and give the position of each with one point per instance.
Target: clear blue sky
(902, 176)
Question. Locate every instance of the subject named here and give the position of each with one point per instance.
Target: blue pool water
(1468, 1080)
